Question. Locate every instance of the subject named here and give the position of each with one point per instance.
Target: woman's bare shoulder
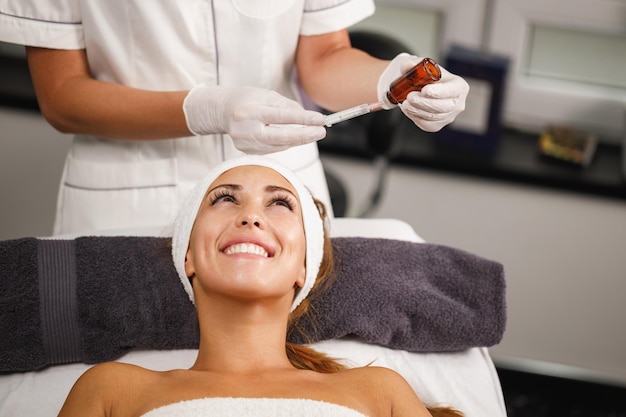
(108, 372)
(375, 374)
(376, 382)
(113, 367)
(387, 389)
(102, 385)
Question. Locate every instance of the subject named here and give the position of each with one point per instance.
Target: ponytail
(303, 357)
(444, 412)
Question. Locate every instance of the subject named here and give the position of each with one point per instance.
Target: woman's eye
(222, 198)
(284, 202)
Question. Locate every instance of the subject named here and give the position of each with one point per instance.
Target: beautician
(156, 93)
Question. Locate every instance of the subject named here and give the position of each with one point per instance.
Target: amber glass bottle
(425, 72)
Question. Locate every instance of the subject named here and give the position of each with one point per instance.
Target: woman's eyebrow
(232, 187)
(273, 188)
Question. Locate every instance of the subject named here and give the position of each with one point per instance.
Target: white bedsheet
(466, 380)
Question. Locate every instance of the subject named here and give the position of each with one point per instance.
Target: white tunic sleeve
(324, 16)
(44, 23)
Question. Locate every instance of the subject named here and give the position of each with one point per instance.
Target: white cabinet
(568, 60)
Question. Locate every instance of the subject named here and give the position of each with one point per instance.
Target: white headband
(313, 225)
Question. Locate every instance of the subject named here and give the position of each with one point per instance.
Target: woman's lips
(246, 247)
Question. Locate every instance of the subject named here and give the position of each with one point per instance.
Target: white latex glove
(259, 121)
(436, 106)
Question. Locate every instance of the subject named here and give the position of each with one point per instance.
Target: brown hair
(303, 357)
(322, 282)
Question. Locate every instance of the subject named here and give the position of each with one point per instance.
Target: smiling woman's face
(248, 240)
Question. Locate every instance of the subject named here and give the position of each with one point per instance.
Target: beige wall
(31, 162)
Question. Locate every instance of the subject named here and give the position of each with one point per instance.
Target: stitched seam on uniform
(40, 20)
(217, 69)
(326, 8)
(217, 55)
(78, 187)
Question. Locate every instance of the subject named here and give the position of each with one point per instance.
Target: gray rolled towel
(92, 299)
(414, 296)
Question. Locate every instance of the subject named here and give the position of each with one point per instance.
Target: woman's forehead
(253, 175)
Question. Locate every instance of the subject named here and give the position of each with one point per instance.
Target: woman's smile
(246, 248)
(248, 245)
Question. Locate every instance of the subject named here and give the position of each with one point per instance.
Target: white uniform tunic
(169, 45)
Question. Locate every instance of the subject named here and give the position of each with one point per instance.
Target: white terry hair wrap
(313, 224)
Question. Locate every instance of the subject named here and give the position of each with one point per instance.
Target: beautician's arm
(73, 102)
(335, 75)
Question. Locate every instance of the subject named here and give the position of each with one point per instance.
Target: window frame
(531, 103)
(463, 19)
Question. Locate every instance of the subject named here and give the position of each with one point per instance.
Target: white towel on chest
(253, 407)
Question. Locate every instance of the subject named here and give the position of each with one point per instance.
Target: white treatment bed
(466, 379)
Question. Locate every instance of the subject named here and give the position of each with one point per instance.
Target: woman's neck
(250, 341)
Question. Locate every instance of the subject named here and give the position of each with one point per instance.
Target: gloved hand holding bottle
(436, 105)
(259, 121)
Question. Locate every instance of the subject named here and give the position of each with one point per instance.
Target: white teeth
(246, 248)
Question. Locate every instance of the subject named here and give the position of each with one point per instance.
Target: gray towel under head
(413, 296)
(94, 298)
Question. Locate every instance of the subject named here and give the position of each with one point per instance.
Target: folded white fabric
(257, 407)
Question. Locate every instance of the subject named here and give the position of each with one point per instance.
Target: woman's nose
(251, 219)
(255, 222)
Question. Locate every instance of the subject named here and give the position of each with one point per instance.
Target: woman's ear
(190, 269)
(301, 278)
